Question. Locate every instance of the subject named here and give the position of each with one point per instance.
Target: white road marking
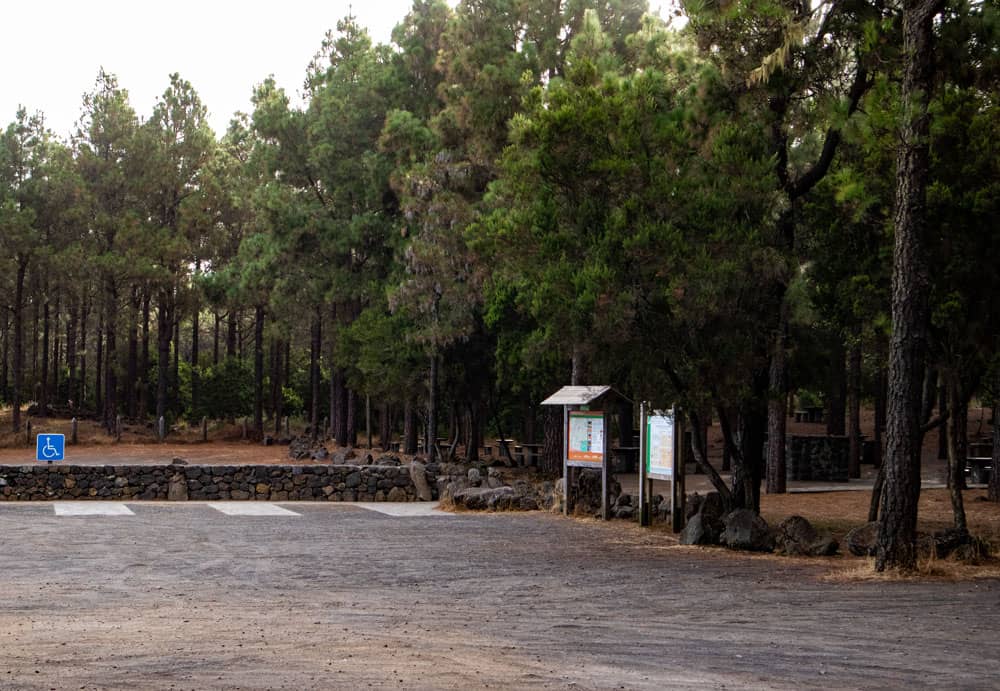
(402, 509)
(250, 508)
(91, 508)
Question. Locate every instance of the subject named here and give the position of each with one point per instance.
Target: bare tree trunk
(258, 373)
(215, 337)
(71, 322)
(22, 269)
(231, 337)
(164, 334)
(409, 429)
(195, 350)
(352, 417)
(43, 398)
(777, 416)
(144, 357)
(84, 314)
(431, 444)
(314, 373)
(340, 409)
(854, 408)
(384, 426)
(958, 408)
(132, 367)
(994, 488)
(896, 542)
(837, 393)
(99, 364)
(943, 429)
(111, 367)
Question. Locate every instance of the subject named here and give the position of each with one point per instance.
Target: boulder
(701, 530)
(342, 456)
(745, 530)
(479, 498)
(178, 488)
(388, 459)
(397, 494)
(178, 461)
(418, 474)
(299, 448)
(475, 477)
(796, 536)
(861, 540)
(320, 454)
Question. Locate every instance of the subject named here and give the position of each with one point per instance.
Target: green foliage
(224, 390)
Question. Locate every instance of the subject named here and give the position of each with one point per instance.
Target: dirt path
(179, 596)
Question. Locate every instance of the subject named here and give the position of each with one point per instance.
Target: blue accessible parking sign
(50, 447)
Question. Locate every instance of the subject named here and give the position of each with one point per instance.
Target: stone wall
(822, 459)
(180, 482)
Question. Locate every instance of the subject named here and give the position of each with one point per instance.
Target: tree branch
(862, 82)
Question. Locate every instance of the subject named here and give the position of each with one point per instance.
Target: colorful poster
(586, 437)
(660, 445)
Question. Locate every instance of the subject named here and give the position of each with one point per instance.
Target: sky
(51, 50)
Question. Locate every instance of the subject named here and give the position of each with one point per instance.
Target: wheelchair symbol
(49, 451)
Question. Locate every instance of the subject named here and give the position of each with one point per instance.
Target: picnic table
(531, 453)
(979, 469)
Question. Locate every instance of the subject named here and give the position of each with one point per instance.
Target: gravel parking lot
(338, 596)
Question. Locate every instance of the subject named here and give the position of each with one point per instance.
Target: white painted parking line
(91, 508)
(251, 508)
(403, 509)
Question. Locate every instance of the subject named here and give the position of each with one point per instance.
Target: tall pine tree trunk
(132, 366)
(258, 373)
(71, 389)
(959, 420)
(164, 334)
(896, 542)
(431, 433)
(111, 368)
(837, 393)
(22, 269)
(409, 428)
(43, 398)
(777, 417)
(99, 364)
(195, 352)
(994, 486)
(144, 358)
(854, 407)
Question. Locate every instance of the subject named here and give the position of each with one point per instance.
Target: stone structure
(178, 483)
(818, 459)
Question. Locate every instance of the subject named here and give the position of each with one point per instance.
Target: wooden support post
(644, 485)
(565, 455)
(204, 428)
(677, 486)
(605, 463)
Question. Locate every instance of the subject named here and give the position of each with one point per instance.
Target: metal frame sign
(585, 438)
(660, 445)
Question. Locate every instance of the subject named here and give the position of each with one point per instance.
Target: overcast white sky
(50, 50)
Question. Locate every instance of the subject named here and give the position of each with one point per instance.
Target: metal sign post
(660, 459)
(50, 447)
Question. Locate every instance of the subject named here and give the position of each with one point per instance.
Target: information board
(586, 437)
(660, 445)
